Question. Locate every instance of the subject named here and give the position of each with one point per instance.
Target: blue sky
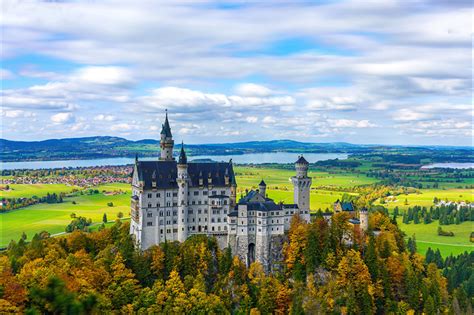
(387, 72)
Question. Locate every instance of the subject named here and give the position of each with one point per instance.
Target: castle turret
(166, 141)
(233, 188)
(364, 219)
(302, 187)
(182, 181)
(262, 188)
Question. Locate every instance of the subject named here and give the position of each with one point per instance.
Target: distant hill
(106, 147)
(109, 147)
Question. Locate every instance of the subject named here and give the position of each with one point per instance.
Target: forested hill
(107, 147)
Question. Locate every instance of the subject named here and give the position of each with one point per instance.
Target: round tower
(364, 219)
(166, 141)
(302, 187)
(262, 187)
(182, 182)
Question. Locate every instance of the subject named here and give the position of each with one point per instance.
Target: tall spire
(166, 129)
(182, 155)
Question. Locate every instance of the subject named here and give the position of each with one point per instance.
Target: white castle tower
(166, 141)
(182, 181)
(302, 186)
(364, 219)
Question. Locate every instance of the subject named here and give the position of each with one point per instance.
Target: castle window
(175, 213)
(149, 224)
(204, 192)
(158, 205)
(168, 194)
(168, 230)
(196, 193)
(161, 213)
(174, 221)
(161, 231)
(149, 195)
(158, 195)
(190, 211)
(175, 204)
(205, 202)
(199, 202)
(149, 205)
(168, 213)
(175, 230)
(168, 204)
(218, 219)
(214, 192)
(218, 228)
(193, 202)
(149, 215)
(213, 228)
(212, 220)
(222, 192)
(161, 223)
(225, 202)
(199, 219)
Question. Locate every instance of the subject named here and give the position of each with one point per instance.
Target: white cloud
(251, 119)
(102, 117)
(251, 89)
(349, 123)
(5, 74)
(122, 127)
(62, 118)
(16, 113)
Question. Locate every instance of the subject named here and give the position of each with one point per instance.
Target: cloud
(16, 114)
(251, 89)
(62, 118)
(349, 123)
(5, 74)
(102, 117)
(186, 100)
(122, 127)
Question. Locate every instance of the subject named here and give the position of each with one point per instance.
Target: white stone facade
(173, 200)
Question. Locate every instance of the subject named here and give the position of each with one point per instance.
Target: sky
(368, 72)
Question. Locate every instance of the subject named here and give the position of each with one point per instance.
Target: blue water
(449, 165)
(255, 158)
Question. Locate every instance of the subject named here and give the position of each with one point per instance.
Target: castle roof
(165, 173)
(166, 129)
(182, 156)
(254, 201)
(262, 183)
(346, 206)
(301, 160)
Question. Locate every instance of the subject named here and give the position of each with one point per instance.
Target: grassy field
(427, 236)
(39, 190)
(426, 196)
(54, 217)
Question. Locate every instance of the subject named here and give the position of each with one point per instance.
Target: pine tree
(104, 218)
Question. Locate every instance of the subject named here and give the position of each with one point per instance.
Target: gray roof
(166, 129)
(301, 160)
(165, 173)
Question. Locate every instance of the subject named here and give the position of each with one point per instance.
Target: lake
(254, 158)
(449, 165)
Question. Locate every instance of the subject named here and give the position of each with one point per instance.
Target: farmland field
(425, 197)
(426, 236)
(55, 217)
(30, 190)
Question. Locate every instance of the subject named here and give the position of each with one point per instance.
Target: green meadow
(425, 197)
(30, 190)
(427, 236)
(55, 217)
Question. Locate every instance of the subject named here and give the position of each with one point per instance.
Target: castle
(172, 200)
